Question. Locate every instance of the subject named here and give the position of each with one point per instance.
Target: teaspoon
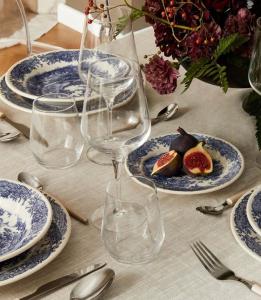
(93, 286)
(166, 113)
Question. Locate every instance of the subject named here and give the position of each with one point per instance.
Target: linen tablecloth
(176, 273)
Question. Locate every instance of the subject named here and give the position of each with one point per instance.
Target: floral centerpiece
(212, 39)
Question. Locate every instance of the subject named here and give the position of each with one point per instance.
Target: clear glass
(55, 137)
(115, 128)
(254, 74)
(100, 36)
(132, 227)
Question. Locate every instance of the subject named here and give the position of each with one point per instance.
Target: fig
(169, 164)
(197, 161)
(183, 142)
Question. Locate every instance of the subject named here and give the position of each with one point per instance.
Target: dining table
(176, 273)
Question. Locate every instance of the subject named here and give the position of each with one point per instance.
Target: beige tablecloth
(176, 273)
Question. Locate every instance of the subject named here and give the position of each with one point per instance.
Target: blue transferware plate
(254, 210)
(43, 252)
(244, 234)
(228, 165)
(53, 72)
(25, 104)
(25, 217)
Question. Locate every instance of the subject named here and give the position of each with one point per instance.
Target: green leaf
(252, 104)
(123, 21)
(228, 44)
(258, 131)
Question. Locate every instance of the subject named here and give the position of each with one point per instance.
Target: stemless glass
(55, 136)
(254, 74)
(132, 227)
(100, 38)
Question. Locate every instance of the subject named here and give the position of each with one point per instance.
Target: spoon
(34, 182)
(166, 113)
(8, 136)
(93, 286)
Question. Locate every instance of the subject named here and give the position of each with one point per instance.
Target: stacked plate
(33, 231)
(246, 222)
(53, 73)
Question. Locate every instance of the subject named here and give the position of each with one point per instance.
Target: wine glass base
(98, 158)
(96, 217)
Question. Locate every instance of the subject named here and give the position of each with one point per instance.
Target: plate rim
(7, 75)
(51, 257)
(11, 104)
(251, 220)
(42, 233)
(210, 190)
(233, 229)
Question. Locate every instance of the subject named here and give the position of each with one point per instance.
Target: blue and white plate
(55, 72)
(25, 104)
(244, 234)
(43, 252)
(254, 210)
(228, 165)
(25, 217)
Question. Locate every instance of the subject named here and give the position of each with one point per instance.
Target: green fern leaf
(228, 44)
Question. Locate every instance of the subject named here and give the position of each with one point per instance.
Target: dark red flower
(218, 5)
(161, 75)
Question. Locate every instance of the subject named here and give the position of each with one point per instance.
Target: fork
(217, 269)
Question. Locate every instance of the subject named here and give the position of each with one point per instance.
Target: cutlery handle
(256, 288)
(234, 198)
(74, 214)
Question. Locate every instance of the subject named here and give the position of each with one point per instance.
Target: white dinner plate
(228, 165)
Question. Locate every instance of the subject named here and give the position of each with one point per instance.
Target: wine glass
(101, 35)
(115, 129)
(254, 73)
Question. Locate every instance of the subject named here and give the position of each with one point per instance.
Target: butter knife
(20, 127)
(62, 281)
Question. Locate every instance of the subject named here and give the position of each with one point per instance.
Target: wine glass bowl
(254, 74)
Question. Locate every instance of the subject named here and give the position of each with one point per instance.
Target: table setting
(111, 190)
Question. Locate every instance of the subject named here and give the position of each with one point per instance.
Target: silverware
(20, 127)
(63, 281)
(93, 286)
(34, 182)
(8, 136)
(218, 210)
(166, 113)
(217, 269)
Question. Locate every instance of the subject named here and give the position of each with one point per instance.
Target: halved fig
(183, 142)
(197, 161)
(169, 164)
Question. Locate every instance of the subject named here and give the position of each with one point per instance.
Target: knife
(62, 281)
(20, 127)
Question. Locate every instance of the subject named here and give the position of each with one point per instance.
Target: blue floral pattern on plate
(254, 210)
(228, 165)
(43, 252)
(244, 234)
(25, 217)
(57, 72)
(25, 104)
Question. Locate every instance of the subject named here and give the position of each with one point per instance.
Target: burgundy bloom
(161, 75)
(217, 5)
(153, 7)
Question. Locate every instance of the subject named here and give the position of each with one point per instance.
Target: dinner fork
(217, 269)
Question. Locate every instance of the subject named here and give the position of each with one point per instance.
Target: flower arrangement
(210, 38)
